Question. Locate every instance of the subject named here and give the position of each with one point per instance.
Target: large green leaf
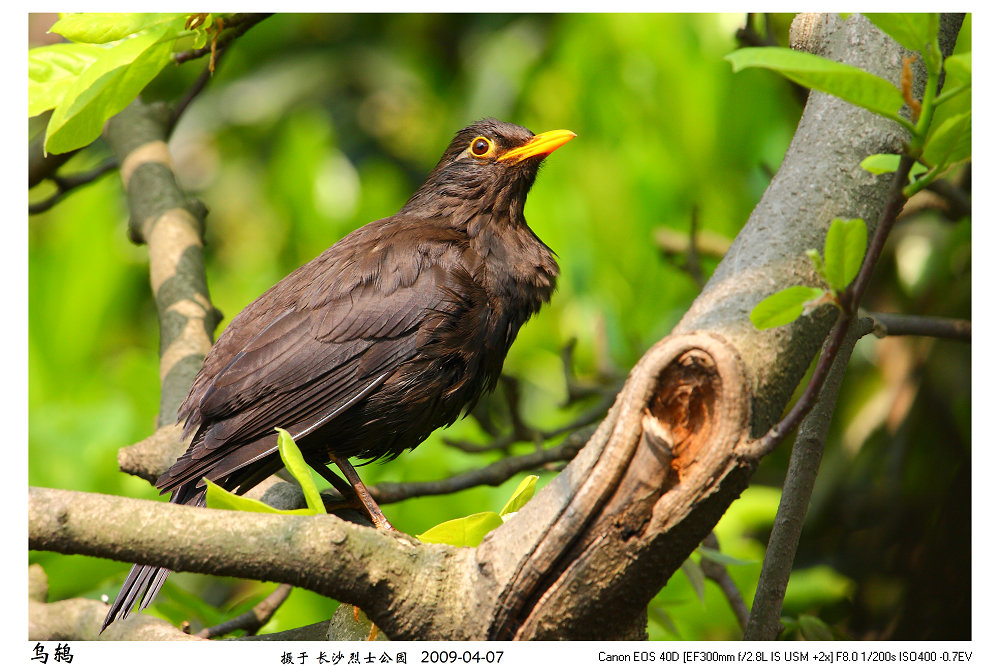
(103, 28)
(950, 142)
(845, 81)
(914, 31)
(53, 70)
(462, 532)
(106, 87)
(846, 242)
(218, 497)
(783, 307)
(959, 68)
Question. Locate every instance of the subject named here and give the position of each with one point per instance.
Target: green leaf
(524, 492)
(696, 577)
(218, 497)
(721, 558)
(98, 28)
(914, 31)
(814, 629)
(783, 307)
(881, 163)
(959, 68)
(845, 81)
(846, 242)
(296, 464)
(52, 70)
(950, 142)
(106, 87)
(461, 532)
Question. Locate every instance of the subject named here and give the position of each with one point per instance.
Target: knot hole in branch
(681, 412)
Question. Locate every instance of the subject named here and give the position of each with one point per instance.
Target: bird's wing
(315, 357)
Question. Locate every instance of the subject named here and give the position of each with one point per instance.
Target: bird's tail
(144, 581)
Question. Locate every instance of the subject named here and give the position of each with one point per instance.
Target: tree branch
(491, 475)
(66, 184)
(717, 573)
(764, 620)
(933, 327)
(233, 27)
(255, 618)
(389, 575)
(173, 228)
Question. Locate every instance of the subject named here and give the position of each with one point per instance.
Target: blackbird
(386, 336)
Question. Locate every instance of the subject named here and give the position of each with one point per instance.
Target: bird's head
(489, 166)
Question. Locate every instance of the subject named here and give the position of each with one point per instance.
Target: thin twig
(530, 434)
(189, 97)
(933, 327)
(66, 184)
(491, 475)
(764, 622)
(717, 573)
(237, 25)
(42, 165)
(255, 618)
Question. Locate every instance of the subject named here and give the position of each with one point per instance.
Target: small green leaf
(959, 68)
(845, 81)
(696, 577)
(296, 464)
(914, 31)
(52, 70)
(524, 492)
(462, 532)
(881, 163)
(783, 307)
(98, 28)
(846, 242)
(218, 497)
(721, 558)
(950, 142)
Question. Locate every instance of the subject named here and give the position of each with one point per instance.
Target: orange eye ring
(481, 146)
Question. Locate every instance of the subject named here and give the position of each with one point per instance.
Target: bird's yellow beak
(540, 144)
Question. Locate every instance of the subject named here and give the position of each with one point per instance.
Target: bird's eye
(480, 146)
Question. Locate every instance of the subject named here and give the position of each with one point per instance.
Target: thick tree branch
(80, 619)
(391, 576)
(173, 227)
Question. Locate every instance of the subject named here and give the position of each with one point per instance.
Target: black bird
(384, 337)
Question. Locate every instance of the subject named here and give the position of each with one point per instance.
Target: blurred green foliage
(316, 124)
